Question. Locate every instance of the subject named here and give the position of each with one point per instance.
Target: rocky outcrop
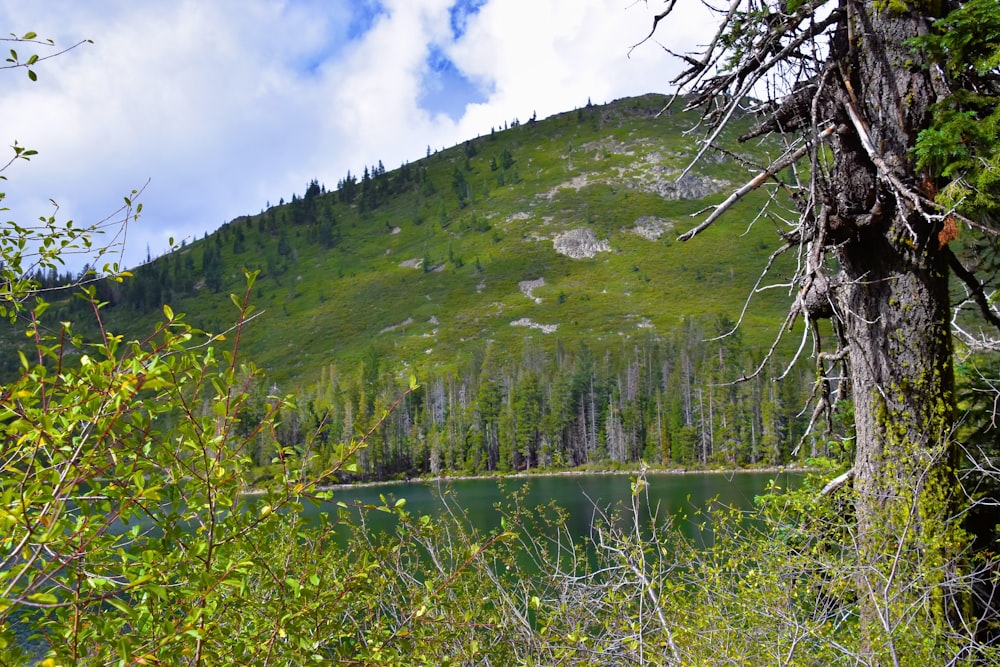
(688, 186)
(650, 227)
(544, 328)
(527, 286)
(580, 243)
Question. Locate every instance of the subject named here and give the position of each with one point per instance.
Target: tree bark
(892, 301)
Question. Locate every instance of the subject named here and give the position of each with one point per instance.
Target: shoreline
(439, 479)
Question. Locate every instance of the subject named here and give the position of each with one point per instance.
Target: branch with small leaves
(14, 61)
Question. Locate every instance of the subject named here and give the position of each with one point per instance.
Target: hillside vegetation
(529, 279)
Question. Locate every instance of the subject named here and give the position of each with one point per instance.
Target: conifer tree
(887, 106)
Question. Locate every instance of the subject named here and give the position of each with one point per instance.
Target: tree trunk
(895, 316)
(892, 299)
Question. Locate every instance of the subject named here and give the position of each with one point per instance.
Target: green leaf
(121, 606)
(43, 598)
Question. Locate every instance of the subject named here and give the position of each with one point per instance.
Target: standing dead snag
(854, 86)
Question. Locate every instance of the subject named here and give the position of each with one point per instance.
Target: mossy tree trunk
(892, 304)
(894, 310)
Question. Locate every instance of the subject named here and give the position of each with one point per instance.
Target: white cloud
(228, 105)
(549, 57)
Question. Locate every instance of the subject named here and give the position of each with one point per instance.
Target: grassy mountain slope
(459, 248)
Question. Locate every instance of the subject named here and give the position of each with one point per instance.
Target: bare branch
(753, 184)
(656, 19)
(975, 288)
(837, 482)
(756, 289)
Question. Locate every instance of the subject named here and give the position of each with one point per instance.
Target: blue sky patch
(460, 13)
(445, 89)
(345, 22)
(364, 14)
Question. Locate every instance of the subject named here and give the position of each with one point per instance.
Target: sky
(218, 108)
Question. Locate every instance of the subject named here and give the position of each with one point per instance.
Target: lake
(578, 494)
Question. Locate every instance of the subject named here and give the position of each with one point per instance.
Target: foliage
(337, 278)
(498, 414)
(713, 585)
(128, 535)
(960, 142)
(710, 585)
(122, 488)
(137, 544)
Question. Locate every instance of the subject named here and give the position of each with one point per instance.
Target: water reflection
(582, 496)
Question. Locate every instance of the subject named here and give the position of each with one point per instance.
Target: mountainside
(531, 281)
(557, 229)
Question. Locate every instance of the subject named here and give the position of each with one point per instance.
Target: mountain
(559, 229)
(532, 282)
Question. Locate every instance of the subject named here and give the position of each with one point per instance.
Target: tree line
(662, 401)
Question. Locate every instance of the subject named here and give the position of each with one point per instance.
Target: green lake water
(581, 495)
